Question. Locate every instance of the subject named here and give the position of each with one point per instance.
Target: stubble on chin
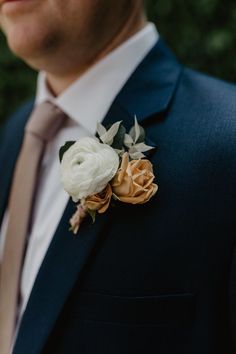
(29, 42)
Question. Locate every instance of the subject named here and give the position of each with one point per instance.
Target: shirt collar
(89, 98)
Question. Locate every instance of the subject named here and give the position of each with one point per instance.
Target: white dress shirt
(86, 102)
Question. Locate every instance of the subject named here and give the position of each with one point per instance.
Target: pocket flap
(175, 309)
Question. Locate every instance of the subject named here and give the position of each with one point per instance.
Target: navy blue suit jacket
(154, 278)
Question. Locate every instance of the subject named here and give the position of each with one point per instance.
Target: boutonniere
(95, 171)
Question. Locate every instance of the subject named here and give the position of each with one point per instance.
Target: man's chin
(23, 44)
(20, 48)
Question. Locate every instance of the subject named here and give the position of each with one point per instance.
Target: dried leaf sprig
(132, 142)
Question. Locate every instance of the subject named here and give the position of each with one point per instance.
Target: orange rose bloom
(133, 182)
(99, 202)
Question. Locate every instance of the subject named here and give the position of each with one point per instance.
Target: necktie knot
(45, 121)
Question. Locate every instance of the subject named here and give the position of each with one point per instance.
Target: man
(152, 278)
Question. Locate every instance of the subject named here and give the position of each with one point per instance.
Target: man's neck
(135, 22)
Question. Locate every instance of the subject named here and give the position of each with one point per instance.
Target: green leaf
(92, 213)
(142, 135)
(118, 140)
(64, 148)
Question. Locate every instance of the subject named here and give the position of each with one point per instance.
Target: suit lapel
(59, 272)
(148, 91)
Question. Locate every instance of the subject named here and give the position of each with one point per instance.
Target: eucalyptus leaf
(137, 132)
(137, 129)
(142, 135)
(64, 148)
(132, 133)
(141, 147)
(101, 129)
(120, 152)
(128, 141)
(118, 140)
(136, 155)
(108, 137)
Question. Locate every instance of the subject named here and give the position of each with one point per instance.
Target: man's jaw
(15, 7)
(5, 1)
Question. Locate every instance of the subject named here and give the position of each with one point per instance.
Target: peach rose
(99, 202)
(133, 183)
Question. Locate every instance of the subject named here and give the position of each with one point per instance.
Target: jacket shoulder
(11, 134)
(209, 103)
(16, 122)
(217, 95)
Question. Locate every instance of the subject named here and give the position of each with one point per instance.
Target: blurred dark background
(202, 34)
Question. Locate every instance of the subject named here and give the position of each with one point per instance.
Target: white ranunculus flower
(87, 167)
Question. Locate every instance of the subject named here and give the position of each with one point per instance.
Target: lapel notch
(151, 87)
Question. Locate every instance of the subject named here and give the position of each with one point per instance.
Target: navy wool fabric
(152, 278)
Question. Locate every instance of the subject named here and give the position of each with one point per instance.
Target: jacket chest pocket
(164, 310)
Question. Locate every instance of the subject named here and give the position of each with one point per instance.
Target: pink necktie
(43, 124)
